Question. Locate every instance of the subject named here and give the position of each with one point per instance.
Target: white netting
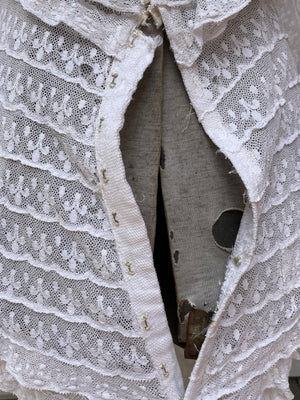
(106, 23)
(290, 17)
(191, 23)
(245, 89)
(67, 325)
(247, 99)
(31, 375)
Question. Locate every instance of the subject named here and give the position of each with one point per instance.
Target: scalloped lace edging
(104, 27)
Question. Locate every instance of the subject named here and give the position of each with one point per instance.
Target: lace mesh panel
(106, 23)
(245, 89)
(67, 324)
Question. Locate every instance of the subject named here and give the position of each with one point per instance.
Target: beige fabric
(197, 188)
(196, 183)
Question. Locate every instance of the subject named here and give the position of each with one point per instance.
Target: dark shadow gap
(163, 265)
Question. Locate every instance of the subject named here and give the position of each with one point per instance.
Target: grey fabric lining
(160, 124)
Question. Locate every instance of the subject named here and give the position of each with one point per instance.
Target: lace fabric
(66, 316)
(81, 315)
(193, 23)
(248, 101)
(107, 27)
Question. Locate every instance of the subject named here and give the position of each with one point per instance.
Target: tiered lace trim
(68, 325)
(254, 93)
(71, 329)
(108, 29)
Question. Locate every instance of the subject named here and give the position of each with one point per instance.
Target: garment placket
(128, 227)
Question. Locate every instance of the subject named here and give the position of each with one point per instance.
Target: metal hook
(128, 265)
(134, 35)
(163, 367)
(100, 126)
(116, 222)
(103, 170)
(147, 327)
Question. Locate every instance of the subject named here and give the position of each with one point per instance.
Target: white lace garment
(81, 315)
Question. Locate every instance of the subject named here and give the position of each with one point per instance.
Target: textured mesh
(107, 23)
(290, 16)
(245, 90)
(66, 317)
(192, 23)
(71, 324)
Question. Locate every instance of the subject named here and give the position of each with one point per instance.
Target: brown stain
(197, 327)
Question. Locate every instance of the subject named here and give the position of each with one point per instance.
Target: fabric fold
(190, 24)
